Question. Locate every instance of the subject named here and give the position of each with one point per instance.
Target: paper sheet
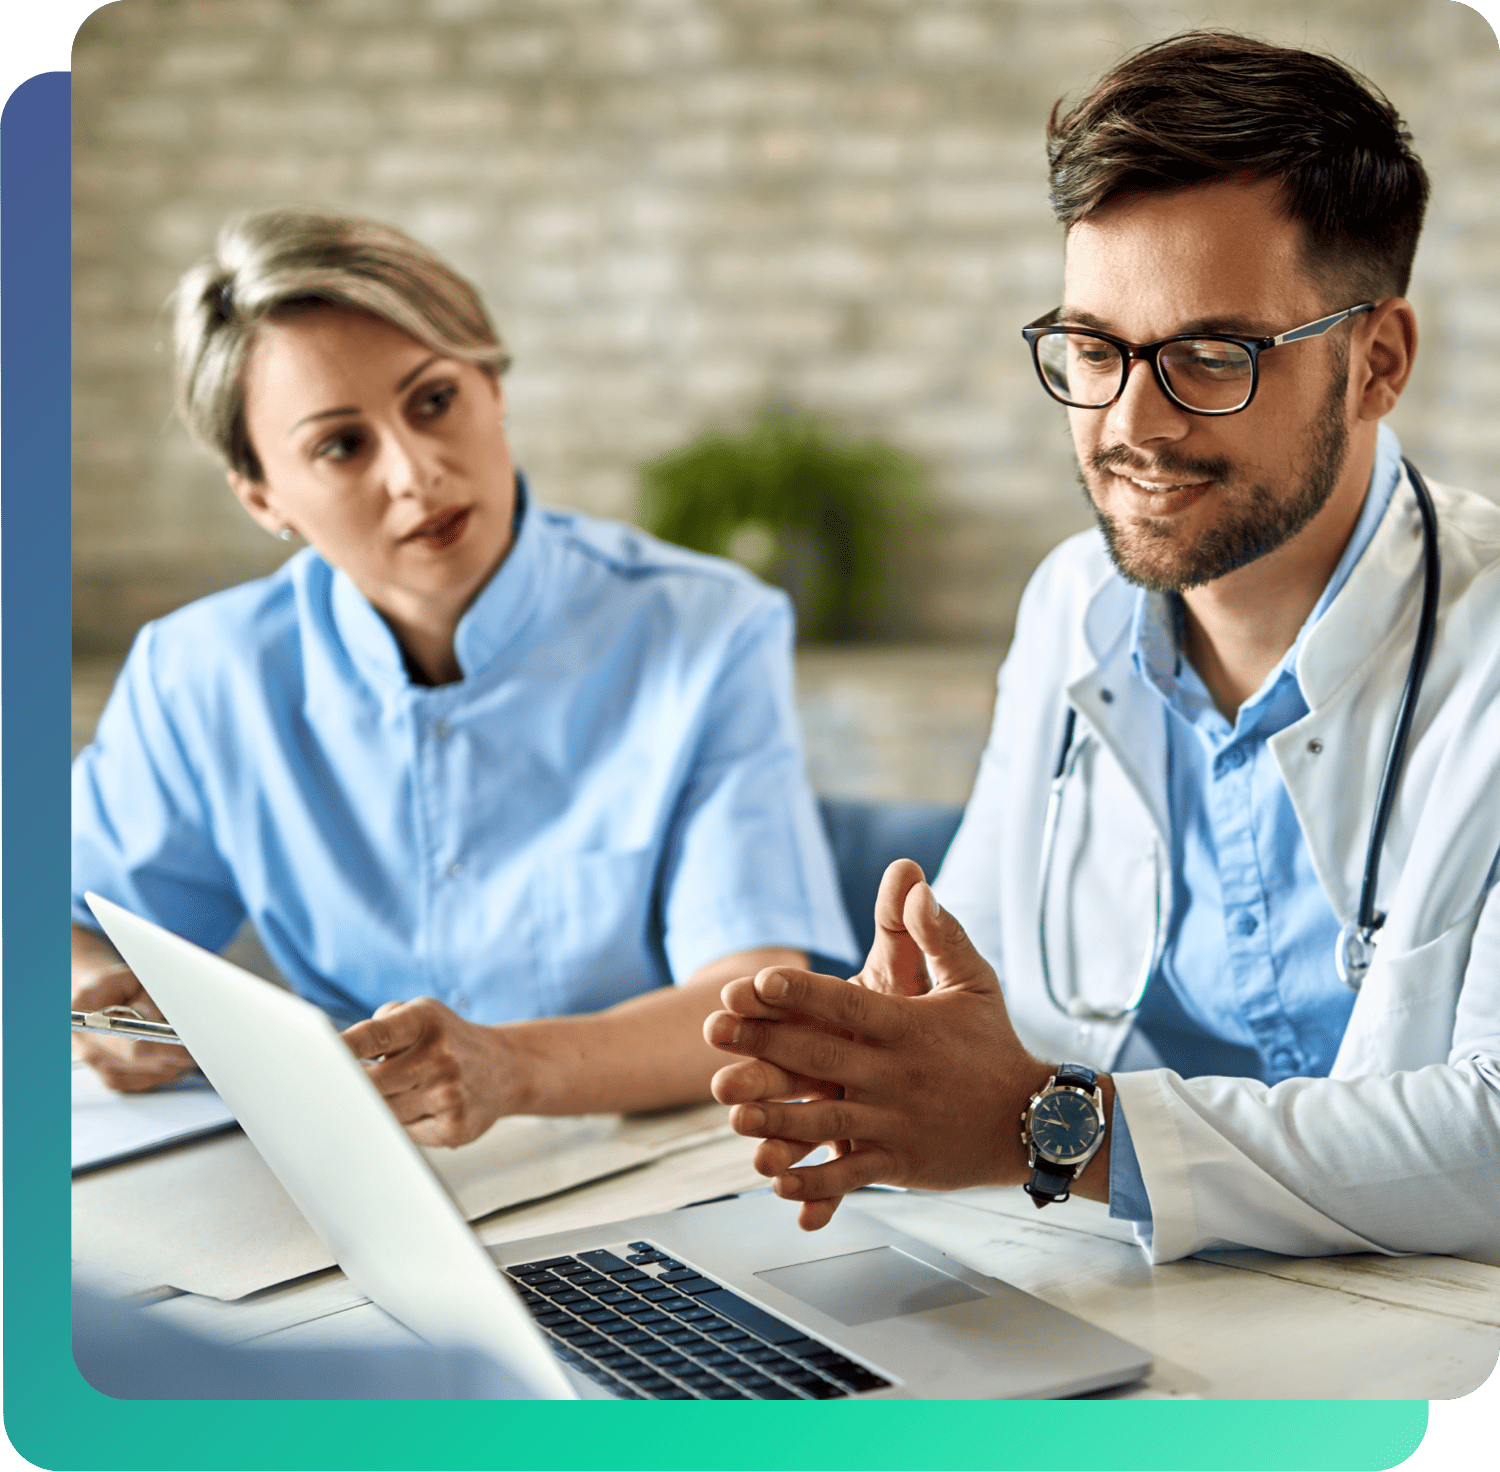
(108, 1126)
(210, 1218)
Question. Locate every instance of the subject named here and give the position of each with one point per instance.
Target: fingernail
(773, 985)
(932, 904)
(752, 1117)
(787, 1187)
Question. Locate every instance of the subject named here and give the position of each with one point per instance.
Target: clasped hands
(911, 1070)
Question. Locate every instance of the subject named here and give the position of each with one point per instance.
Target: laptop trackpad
(882, 1283)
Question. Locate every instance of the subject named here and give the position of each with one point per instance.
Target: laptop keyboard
(647, 1327)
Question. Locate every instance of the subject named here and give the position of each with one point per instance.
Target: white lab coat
(1398, 1150)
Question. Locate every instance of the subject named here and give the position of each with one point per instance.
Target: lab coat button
(1315, 746)
(454, 870)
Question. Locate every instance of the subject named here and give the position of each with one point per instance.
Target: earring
(285, 534)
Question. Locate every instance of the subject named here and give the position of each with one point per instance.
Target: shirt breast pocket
(602, 938)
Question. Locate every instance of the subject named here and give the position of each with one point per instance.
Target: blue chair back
(866, 837)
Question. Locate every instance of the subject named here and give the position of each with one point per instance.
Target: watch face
(1063, 1126)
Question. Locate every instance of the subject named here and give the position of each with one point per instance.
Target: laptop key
(656, 1351)
(757, 1320)
(638, 1371)
(766, 1389)
(762, 1353)
(779, 1364)
(815, 1386)
(857, 1378)
(602, 1261)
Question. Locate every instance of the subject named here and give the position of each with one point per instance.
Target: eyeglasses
(1200, 372)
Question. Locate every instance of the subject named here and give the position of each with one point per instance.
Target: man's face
(1183, 498)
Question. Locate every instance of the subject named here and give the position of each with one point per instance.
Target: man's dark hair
(1206, 106)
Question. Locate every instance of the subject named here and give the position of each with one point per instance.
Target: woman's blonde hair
(277, 262)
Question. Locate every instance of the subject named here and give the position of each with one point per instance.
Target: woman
(494, 772)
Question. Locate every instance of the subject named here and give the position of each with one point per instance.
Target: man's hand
(446, 1079)
(100, 980)
(933, 1084)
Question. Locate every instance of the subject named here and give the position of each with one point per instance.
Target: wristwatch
(1062, 1130)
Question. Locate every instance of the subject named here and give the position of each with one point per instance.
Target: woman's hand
(124, 1063)
(446, 1079)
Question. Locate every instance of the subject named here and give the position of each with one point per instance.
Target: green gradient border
(58, 1421)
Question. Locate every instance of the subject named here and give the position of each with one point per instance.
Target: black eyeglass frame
(1151, 353)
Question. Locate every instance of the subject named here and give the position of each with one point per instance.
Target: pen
(125, 1022)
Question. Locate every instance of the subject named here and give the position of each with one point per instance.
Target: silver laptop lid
(322, 1127)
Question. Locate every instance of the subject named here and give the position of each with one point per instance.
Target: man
(1129, 990)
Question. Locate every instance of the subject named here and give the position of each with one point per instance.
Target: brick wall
(678, 209)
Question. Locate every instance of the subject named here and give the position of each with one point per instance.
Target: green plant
(798, 503)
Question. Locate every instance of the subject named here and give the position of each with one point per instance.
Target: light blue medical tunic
(611, 797)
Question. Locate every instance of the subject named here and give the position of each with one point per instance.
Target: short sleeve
(141, 833)
(747, 862)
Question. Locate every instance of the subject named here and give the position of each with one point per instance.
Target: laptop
(726, 1301)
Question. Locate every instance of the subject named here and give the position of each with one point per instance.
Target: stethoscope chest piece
(1354, 952)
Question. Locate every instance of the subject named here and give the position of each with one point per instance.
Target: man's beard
(1143, 551)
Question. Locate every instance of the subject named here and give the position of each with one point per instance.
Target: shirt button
(1234, 757)
(442, 730)
(454, 870)
(1247, 923)
(1284, 1062)
(1315, 746)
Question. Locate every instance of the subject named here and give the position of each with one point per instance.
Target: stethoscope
(1355, 947)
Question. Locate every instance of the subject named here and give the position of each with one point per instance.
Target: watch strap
(1049, 1183)
(1075, 1076)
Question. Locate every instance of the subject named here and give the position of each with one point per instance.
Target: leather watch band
(1076, 1076)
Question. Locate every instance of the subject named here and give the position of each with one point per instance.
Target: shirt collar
(1157, 628)
(495, 617)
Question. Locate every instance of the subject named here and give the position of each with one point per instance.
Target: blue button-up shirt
(611, 797)
(1247, 986)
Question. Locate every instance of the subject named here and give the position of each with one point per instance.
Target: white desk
(1243, 1325)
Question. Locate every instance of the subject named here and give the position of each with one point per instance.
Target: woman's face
(387, 457)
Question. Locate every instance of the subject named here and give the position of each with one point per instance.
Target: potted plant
(798, 503)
